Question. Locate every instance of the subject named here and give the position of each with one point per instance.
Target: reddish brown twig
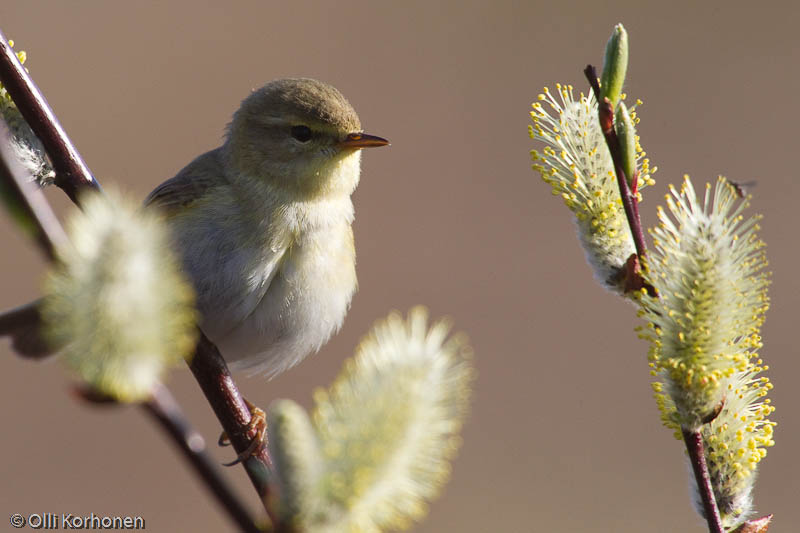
(694, 445)
(214, 378)
(72, 174)
(629, 201)
(166, 412)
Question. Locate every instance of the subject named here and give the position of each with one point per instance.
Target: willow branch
(697, 457)
(72, 174)
(214, 378)
(165, 410)
(693, 440)
(629, 201)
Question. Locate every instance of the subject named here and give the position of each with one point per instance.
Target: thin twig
(72, 174)
(629, 201)
(26, 196)
(694, 445)
(164, 409)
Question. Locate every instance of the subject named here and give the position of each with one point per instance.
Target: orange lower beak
(363, 140)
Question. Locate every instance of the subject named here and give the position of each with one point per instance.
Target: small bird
(263, 225)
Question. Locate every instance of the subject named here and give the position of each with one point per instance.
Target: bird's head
(301, 135)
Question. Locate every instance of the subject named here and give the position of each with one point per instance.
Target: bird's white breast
(274, 275)
(304, 304)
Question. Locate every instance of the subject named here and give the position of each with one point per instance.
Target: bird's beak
(362, 140)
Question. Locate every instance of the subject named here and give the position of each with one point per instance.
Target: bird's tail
(23, 326)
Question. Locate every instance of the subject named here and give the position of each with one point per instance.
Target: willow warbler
(263, 224)
(263, 227)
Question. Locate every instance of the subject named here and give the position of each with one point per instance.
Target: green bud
(626, 134)
(615, 65)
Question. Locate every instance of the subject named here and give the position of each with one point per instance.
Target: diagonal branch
(72, 174)
(165, 410)
(629, 201)
(697, 457)
(213, 376)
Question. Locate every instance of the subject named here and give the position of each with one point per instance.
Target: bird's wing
(230, 274)
(189, 185)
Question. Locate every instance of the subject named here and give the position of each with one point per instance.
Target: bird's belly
(305, 304)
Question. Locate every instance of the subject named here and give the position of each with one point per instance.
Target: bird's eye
(301, 133)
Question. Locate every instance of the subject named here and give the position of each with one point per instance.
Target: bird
(262, 226)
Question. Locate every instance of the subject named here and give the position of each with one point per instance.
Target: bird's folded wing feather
(230, 276)
(189, 185)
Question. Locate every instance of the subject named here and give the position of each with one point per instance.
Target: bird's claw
(258, 423)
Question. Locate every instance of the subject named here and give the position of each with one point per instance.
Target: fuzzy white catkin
(116, 302)
(369, 462)
(708, 266)
(577, 165)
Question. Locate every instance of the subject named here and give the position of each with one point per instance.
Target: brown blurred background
(564, 434)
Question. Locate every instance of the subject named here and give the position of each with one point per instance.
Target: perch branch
(214, 378)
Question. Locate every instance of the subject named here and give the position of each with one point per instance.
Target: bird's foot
(258, 423)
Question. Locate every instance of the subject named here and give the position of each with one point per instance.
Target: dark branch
(72, 174)
(165, 411)
(211, 372)
(697, 457)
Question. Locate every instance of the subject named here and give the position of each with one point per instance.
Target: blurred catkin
(382, 435)
(116, 301)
